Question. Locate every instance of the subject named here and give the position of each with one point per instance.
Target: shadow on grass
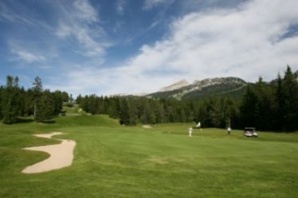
(48, 122)
(24, 120)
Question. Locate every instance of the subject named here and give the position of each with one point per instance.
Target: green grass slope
(87, 120)
(116, 161)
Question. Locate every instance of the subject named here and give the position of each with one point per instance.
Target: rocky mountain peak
(177, 85)
(201, 88)
(213, 81)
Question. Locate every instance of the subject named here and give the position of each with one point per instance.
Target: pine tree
(10, 101)
(279, 106)
(248, 107)
(58, 102)
(160, 113)
(132, 112)
(45, 107)
(264, 111)
(290, 100)
(37, 91)
(124, 115)
(1, 99)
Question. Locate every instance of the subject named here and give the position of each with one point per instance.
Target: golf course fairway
(162, 161)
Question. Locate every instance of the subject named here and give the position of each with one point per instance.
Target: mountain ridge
(200, 88)
(174, 86)
(218, 86)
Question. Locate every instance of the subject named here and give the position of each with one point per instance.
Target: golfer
(229, 130)
(189, 131)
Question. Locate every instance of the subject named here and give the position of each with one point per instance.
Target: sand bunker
(61, 155)
(147, 126)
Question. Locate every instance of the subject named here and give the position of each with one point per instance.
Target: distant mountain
(177, 85)
(231, 86)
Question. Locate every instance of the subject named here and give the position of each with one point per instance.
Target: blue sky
(108, 47)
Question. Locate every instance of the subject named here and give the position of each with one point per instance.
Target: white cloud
(85, 11)
(6, 14)
(91, 39)
(245, 42)
(22, 17)
(241, 42)
(29, 57)
(25, 55)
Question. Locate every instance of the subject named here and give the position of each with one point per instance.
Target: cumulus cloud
(247, 41)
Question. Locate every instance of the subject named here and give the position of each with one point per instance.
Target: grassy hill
(87, 120)
(162, 161)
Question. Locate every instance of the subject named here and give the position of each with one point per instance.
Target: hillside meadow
(162, 161)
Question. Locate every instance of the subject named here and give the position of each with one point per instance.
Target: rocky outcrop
(177, 85)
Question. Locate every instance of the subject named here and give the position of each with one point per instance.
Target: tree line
(41, 104)
(132, 110)
(267, 106)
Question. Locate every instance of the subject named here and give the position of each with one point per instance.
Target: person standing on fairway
(229, 130)
(189, 131)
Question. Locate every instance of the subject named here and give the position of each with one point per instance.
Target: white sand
(147, 127)
(61, 155)
(48, 135)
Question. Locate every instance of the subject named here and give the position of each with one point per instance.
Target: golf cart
(250, 132)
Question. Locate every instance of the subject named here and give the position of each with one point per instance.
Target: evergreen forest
(40, 104)
(267, 106)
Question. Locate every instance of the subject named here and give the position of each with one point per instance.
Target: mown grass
(118, 161)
